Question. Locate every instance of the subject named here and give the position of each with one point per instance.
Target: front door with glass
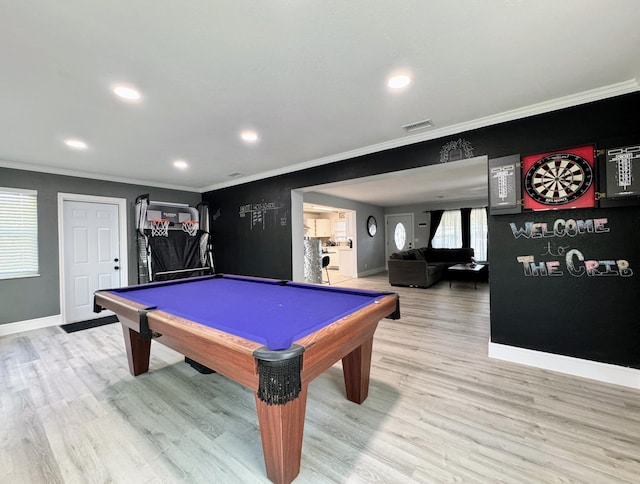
(399, 233)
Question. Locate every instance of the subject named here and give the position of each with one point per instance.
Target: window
(479, 233)
(400, 236)
(18, 233)
(449, 233)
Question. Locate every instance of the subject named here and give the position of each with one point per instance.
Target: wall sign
(257, 213)
(622, 170)
(559, 255)
(459, 149)
(505, 191)
(559, 179)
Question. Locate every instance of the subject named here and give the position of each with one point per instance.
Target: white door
(91, 255)
(399, 233)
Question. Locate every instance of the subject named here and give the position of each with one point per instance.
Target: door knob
(116, 259)
(117, 268)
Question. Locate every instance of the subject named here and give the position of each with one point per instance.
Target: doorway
(92, 251)
(330, 231)
(399, 233)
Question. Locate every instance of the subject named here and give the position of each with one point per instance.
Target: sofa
(425, 266)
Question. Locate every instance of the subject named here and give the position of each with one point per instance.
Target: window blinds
(18, 233)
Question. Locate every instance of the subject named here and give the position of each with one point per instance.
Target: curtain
(449, 232)
(465, 214)
(479, 232)
(466, 227)
(434, 223)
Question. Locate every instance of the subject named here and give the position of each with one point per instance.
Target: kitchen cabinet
(317, 227)
(310, 227)
(347, 262)
(323, 227)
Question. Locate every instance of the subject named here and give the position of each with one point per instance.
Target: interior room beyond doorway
(332, 229)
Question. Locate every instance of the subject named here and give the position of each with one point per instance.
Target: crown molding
(618, 89)
(92, 176)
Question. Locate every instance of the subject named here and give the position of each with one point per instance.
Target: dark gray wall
(36, 297)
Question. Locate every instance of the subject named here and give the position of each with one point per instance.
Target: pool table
(271, 336)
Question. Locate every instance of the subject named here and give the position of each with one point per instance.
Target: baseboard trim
(371, 272)
(31, 324)
(604, 372)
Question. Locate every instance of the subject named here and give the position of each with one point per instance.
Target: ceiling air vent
(411, 128)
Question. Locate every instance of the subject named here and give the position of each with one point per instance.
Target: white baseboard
(618, 375)
(31, 324)
(371, 272)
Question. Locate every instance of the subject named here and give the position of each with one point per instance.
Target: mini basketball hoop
(159, 227)
(190, 227)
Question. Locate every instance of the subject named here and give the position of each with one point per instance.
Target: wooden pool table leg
(138, 351)
(356, 367)
(281, 430)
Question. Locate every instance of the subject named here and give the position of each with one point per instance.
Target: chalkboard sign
(566, 282)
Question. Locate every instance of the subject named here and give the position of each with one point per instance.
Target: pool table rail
(328, 345)
(223, 352)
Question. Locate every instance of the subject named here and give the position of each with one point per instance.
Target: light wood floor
(439, 410)
(335, 278)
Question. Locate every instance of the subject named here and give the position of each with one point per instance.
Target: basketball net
(190, 227)
(159, 227)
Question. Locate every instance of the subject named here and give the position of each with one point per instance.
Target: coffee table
(468, 271)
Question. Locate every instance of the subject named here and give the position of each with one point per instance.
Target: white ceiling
(441, 183)
(308, 75)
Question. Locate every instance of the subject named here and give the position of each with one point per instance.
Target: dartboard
(559, 178)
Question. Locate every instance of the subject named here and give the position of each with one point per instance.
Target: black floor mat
(91, 323)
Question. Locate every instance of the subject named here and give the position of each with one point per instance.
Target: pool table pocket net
(279, 374)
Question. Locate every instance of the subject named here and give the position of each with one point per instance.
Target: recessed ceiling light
(398, 82)
(127, 92)
(249, 136)
(76, 144)
(181, 164)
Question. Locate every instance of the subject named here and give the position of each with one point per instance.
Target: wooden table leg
(281, 430)
(356, 367)
(138, 351)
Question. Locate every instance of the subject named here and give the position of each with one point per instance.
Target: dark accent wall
(36, 297)
(569, 284)
(251, 229)
(514, 322)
